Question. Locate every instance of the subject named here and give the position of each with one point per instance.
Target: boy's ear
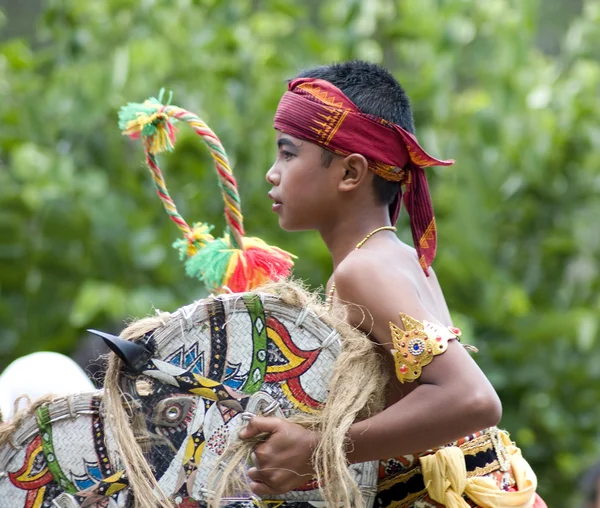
(356, 169)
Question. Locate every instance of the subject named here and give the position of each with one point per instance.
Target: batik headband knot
(236, 261)
(318, 112)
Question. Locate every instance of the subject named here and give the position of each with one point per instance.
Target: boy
(345, 147)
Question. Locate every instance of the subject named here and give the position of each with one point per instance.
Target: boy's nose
(272, 176)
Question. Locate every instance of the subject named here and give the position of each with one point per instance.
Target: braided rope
(163, 193)
(233, 260)
(152, 121)
(227, 183)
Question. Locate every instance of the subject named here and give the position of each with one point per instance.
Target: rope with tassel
(235, 261)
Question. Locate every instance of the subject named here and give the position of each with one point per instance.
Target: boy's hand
(283, 462)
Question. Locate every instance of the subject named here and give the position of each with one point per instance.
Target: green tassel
(181, 246)
(210, 264)
(202, 237)
(134, 109)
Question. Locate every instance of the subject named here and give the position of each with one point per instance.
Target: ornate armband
(417, 344)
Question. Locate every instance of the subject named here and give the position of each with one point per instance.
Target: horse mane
(128, 426)
(9, 427)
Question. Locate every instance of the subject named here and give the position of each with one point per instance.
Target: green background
(507, 88)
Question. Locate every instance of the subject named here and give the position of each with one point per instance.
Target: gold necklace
(329, 299)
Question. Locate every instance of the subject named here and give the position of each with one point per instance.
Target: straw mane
(128, 426)
(8, 428)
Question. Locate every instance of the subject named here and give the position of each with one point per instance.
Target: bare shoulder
(377, 291)
(363, 269)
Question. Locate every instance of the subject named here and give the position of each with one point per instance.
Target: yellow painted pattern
(205, 382)
(193, 450)
(300, 405)
(39, 498)
(25, 476)
(428, 235)
(338, 124)
(207, 393)
(267, 503)
(116, 485)
(293, 359)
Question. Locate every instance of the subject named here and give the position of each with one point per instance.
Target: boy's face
(303, 191)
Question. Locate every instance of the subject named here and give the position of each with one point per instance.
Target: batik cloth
(318, 112)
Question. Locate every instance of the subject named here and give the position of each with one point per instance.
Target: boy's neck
(344, 235)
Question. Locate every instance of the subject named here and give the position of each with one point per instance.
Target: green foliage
(86, 243)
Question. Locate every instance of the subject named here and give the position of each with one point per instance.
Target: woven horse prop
(179, 386)
(177, 393)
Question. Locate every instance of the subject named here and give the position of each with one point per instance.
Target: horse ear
(134, 355)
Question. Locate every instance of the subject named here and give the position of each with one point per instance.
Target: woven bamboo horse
(179, 390)
(178, 386)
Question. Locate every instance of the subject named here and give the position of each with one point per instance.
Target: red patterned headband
(318, 112)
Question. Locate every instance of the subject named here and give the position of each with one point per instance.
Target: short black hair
(375, 91)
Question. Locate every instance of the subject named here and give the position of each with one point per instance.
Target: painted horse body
(63, 447)
(188, 388)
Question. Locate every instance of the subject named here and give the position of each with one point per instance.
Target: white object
(38, 374)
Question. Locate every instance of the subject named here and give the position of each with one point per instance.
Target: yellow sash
(445, 477)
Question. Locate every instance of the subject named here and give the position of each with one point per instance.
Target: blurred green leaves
(85, 242)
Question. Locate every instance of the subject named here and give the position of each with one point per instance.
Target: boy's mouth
(276, 202)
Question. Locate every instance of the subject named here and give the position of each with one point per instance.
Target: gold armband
(417, 344)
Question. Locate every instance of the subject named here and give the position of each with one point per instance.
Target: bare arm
(453, 397)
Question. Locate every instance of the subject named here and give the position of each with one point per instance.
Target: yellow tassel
(159, 130)
(199, 237)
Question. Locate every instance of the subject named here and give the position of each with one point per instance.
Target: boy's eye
(286, 155)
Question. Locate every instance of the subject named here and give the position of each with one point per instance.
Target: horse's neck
(60, 408)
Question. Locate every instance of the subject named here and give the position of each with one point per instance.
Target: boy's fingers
(262, 489)
(259, 424)
(254, 474)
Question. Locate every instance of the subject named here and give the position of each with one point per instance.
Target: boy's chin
(291, 226)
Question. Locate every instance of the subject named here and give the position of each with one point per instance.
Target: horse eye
(173, 411)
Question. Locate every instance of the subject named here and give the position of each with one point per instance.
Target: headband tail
(417, 155)
(422, 221)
